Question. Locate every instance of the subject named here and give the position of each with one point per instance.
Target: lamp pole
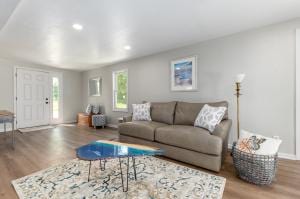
(238, 107)
(239, 80)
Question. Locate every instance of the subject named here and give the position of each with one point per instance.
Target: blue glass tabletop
(111, 149)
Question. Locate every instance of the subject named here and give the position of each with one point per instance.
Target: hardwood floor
(38, 150)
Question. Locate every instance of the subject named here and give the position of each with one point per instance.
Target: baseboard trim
(280, 155)
(69, 122)
(287, 156)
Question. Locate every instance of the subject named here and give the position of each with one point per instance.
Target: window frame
(114, 90)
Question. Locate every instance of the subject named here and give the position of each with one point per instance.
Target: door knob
(47, 102)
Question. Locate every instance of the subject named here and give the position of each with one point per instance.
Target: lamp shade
(240, 78)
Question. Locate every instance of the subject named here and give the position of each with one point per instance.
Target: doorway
(38, 97)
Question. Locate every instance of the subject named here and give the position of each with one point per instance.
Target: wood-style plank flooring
(38, 150)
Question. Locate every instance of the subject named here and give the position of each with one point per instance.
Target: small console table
(8, 117)
(84, 119)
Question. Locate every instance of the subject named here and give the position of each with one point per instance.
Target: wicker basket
(257, 169)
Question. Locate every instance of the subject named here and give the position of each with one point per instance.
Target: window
(56, 98)
(120, 90)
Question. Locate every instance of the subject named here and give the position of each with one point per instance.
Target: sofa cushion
(189, 137)
(163, 112)
(186, 113)
(140, 129)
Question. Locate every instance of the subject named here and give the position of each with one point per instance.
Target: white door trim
(297, 120)
(51, 73)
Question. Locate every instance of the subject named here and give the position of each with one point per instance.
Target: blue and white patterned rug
(156, 179)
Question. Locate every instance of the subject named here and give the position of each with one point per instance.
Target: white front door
(33, 98)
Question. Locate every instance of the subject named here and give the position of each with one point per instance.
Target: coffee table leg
(125, 189)
(134, 169)
(102, 167)
(89, 170)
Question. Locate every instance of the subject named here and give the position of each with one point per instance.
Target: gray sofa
(172, 130)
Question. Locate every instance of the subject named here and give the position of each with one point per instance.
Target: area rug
(156, 178)
(36, 128)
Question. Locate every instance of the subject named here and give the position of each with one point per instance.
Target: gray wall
(72, 95)
(265, 55)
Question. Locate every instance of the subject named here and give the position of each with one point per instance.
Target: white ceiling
(40, 31)
(6, 9)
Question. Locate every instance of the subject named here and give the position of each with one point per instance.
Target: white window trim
(61, 111)
(114, 91)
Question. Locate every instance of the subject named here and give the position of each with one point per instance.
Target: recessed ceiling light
(127, 47)
(77, 26)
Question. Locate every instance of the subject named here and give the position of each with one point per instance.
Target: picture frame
(184, 74)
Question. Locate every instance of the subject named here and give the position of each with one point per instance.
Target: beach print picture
(183, 74)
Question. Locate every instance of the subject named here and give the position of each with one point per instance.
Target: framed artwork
(184, 74)
(95, 87)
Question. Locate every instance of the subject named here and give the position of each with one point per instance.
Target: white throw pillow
(88, 109)
(209, 117)
(141, 112)
(257, 144)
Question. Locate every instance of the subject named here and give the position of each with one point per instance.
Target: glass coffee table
(103, 150)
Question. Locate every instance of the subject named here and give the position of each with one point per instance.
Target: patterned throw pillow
(96, 109)
(257, 144)
(141, 112)
(209, 117)
(88, 109)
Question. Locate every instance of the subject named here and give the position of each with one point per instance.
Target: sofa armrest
(222, 130)
(127, 118)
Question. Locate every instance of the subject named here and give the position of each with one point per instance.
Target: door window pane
(120, 79)
(55, 98)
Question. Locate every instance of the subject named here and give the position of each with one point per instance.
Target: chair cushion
(140, 129)
(163, 112)
(98, 120)
(186, 113)
(189, 137)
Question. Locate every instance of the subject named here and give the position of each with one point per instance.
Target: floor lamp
(238, 81)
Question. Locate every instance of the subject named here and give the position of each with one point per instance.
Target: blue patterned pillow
(96, 109)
